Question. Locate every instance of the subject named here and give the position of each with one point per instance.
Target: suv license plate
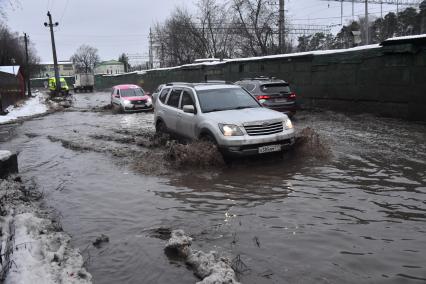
(270, 148)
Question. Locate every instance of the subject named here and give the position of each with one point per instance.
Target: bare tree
(256, 22)
(215, 27)
(220, 29)
(85, 58)
(12, 49)
(123, 58)
(179, 39)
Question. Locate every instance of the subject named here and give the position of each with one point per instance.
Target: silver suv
(224, 114)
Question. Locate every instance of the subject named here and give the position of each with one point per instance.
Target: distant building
(110, 67)
(66, 68)
(12, 86)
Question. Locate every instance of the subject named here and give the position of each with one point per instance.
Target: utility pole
(397, 17)
(27, 66)
(380, 2)
(151, 59)
(341, 13)
(55, 59)
(367, 32)
(281, 27)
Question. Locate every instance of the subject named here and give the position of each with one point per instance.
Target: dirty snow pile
(211, 268)
(5, 155)
(33, 247)
(32, 106)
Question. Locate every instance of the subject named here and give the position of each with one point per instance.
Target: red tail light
(292, 96)
(263, 97)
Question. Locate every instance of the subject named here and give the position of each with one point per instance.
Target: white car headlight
(288, 124)
(127, 102)
(230, 130)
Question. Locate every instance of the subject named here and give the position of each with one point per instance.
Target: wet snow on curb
(32, 106)
(34, 249)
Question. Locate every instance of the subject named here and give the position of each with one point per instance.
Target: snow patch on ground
(209, 267)
(406, 37)
(34, 248)
(32, 106)
(4, 155)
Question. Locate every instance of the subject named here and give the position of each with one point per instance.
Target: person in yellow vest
(52, 86)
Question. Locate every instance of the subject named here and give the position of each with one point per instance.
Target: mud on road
(345, 206)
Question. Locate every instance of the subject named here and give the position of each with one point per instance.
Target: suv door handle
(179, 115)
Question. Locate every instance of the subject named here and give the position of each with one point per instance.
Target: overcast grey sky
(121, 26)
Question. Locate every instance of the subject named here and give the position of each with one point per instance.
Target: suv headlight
(230, 130)
(127, 102)
(288, 124)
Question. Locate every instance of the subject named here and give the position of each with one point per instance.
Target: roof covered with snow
(10, 69)
(110, 62)
(287, 55)
(206, 60)
(59, 62)
(405, 39)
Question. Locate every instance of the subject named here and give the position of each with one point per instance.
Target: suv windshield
(136, 92)
(275, 88)
(225, 99)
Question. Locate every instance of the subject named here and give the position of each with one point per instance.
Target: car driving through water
(272, 93)
(130, 98)
(224, 114)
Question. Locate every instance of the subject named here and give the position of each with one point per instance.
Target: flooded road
(355, 215)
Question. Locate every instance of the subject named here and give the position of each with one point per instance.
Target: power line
(387, 2)
(366, 14)
(63, 12)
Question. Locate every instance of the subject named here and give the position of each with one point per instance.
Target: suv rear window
(275, 88)
(186, 99)
(174, 98)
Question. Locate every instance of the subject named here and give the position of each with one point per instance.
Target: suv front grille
(139, 102)
(264, 128)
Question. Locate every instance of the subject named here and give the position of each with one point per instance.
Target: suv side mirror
(188, 109)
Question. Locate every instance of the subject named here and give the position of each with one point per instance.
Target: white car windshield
(225, 99)
(136, 92)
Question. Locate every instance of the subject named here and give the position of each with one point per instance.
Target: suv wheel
(207, 137)
(160, 127)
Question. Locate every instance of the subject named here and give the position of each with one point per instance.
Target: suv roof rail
(263, 78)
(212, 82)
(178, 83)
(219, 82)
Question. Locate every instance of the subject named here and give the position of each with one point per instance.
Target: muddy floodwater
(356, 214)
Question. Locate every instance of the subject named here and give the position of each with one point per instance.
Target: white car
(224, 114)
(130, 98)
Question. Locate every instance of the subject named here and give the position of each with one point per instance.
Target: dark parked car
(271, 93)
